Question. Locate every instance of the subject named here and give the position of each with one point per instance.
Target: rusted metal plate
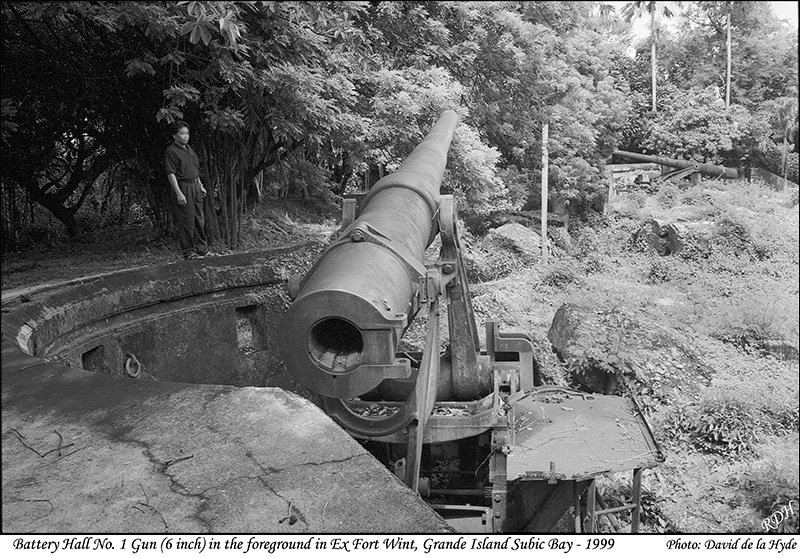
(568, 435)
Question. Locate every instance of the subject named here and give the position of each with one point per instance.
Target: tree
(96, 84)
(719, 17)
(787, 120)
(692, 125)
(765, 51)
(636, 9)
(304, 98)
(67, 89)
(522, 63)
(728, 66)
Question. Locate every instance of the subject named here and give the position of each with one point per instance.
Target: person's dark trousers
(190, 220)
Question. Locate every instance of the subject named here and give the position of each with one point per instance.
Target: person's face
(182, 136)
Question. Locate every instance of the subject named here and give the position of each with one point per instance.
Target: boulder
(522, 240)
(606, 350)
(560, 238)
(665, 238)
(694, 235)
(653, 234)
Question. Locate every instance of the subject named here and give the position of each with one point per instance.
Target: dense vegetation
(722, 392)
(312, 99)
(293, 104)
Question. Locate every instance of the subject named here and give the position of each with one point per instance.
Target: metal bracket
(365, 232)
(498, 343)
(349, 206)
(429, 286)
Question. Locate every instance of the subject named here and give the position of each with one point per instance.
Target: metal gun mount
(341, 335)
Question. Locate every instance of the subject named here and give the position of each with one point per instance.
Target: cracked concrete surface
(85, 452)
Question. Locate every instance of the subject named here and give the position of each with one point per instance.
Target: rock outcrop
(665, 238)
(519, 238)
(652, 234)
(606, 350)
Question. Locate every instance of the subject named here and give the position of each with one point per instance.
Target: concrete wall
(207, 322)
(772, 180)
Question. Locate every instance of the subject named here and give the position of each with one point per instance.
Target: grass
(729, 439)
(744, 292)
(284, 224)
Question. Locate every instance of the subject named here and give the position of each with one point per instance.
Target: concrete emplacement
(155, 400)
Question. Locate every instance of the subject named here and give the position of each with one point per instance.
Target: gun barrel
(340, 336)
(703, 168)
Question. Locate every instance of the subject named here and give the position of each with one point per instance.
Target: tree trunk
(785, 160)
(653, 66)
(728, 85)
(209, 207)
(64, 214)
(11, 221)
(545, 162)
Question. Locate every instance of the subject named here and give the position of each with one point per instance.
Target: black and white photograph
(399, 277)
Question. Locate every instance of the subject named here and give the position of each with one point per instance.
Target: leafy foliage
(560, 275)
(764, 50)
(314, 99)
(773, 480)
(692, 125)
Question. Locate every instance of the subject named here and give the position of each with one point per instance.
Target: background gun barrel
(340, 336)
(709, 170)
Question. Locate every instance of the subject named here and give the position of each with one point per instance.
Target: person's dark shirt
(182, 162)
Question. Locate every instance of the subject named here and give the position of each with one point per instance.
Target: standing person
(183, 174)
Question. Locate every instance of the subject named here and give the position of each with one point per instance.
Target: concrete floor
(86, 452)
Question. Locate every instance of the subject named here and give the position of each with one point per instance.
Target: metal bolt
(448, 268)
(497, 514)
(357, 236)
(497, 498)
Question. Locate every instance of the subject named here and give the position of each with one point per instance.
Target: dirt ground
(139, 244)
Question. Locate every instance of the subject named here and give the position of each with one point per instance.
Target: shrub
(639, 199)
(695, 196)
(772, 160)
(491, 265)
(692, 125)
(773, 480)
(696, 247)
(561, 275)
(668, 194)
(747, 324)
(594, 264)
(484, 262)
(584, 243)
(44, 233)
(617, 490)
(658, 271)
(717, 424)
(761, 250)
(732, 230)
(748, 401)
